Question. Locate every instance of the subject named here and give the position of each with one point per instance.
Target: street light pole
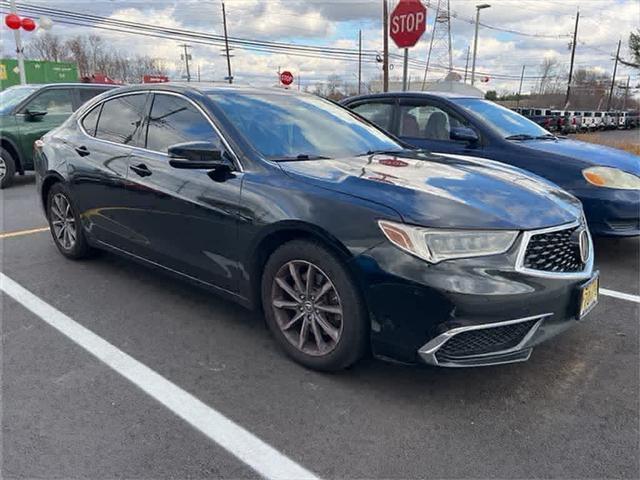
(475, 41)
(19, 48)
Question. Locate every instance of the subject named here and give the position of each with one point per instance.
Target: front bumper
(611, 212)
(417, 308)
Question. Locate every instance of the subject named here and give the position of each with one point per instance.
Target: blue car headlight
(435, 245)
(609, 177)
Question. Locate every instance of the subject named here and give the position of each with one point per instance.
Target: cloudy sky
(542, 29)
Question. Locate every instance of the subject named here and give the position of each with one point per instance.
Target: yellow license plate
(589, 296)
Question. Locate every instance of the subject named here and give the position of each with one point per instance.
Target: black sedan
(606, 180)
(344, 238)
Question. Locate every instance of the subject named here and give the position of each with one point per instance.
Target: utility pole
(359, 61)
(405, 69)
(475, 41)
(385, 43)
(520, 88)
(573, 55)
(613, 79)
(19, 48)
(626, 93)
(187, 57)
(226, 44)
(466, 65)
(198, 72)
(433, 34)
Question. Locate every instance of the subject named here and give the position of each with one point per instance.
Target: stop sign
(286, 77)
(408, 23)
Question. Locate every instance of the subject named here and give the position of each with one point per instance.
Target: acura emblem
(583, 241)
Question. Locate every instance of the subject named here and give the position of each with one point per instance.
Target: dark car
(606, 180)
(27, 112)
(345, 239)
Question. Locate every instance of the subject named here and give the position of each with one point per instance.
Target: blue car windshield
(282, 126)
(506, 122)
(12, 96)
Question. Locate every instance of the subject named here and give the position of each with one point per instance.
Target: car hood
(445, 191)
(589, 153)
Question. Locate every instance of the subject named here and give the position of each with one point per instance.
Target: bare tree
(48, 47)
(547, 74)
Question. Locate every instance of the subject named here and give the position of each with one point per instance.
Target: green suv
(27, 112)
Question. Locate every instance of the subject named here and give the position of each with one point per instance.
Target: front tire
(64, 224)
(7, 168)
(313, 308)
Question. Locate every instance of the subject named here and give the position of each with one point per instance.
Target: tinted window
(175, 120)
(54, 101)
(379, 113)
(87, 94)
(90, 120)
(282, 125)
(428, 122)
(12, 96)
(121, 118)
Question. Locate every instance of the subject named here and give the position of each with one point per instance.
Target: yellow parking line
(20, 233)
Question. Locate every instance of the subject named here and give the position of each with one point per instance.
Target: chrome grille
(556, 251)
(484, 341)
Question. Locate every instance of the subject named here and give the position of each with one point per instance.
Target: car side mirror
(196, 155)
(464, 134)
(34, 115)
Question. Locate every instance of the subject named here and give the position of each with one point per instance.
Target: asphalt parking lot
(572, 411)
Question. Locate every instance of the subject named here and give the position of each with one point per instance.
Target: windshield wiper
(301, 157)
(547, 136)
(380, 152)
(520, 136)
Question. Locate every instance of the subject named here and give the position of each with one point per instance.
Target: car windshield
(285, 126)
(506, 122)
(12, 96)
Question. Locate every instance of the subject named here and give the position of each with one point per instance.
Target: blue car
(606, 180)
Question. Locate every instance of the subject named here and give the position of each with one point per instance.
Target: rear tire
(318, 318)
(7, 168)
(64, 224)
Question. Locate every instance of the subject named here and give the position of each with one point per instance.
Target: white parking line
(620, 295)
(264, 459)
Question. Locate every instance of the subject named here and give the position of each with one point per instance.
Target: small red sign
(408, 23)
(155, 79)
(393, 162)
(286, 77)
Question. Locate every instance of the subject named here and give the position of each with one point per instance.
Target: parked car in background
(345, 239)
(27, 112)
(631, 119)
(606, 180)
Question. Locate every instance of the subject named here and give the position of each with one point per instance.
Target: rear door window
(90, 120)
(86, 94)
(121, 119)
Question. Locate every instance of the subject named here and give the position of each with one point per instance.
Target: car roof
(413, 94)
(201, 87)
(68, 84)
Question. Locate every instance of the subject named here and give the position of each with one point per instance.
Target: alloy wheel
(63, 222)
(307, 307)
(3, 168)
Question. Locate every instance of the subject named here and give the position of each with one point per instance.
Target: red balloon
(12, 21)
(28, 24)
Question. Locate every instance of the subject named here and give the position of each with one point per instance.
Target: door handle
(83, 151)
(141, 170)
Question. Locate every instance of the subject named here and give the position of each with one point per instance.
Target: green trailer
(37, 71)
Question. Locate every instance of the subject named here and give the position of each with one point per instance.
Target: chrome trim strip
(524, 243)
(428, 351)
(83, 114)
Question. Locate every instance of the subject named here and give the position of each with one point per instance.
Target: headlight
(611, 178)
(436, 245)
